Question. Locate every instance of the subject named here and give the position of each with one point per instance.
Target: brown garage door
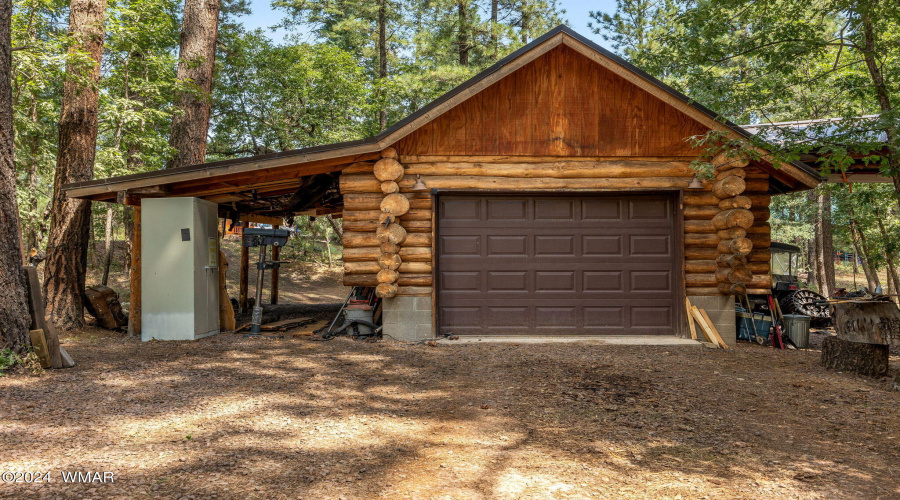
(554, 265)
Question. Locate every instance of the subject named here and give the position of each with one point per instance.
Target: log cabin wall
(362, 197)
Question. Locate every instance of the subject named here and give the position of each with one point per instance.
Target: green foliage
(274, 98)
(8, 359)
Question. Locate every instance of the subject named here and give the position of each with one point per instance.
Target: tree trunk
(197, 55)
(328, 249)
(864, 245)
(462, 36)
(334, 225)
(70, 218)
(14, 317)
(495, 45)
(865, 359)
(876, 74)
(128, 221)
(824, 244)
(382, 59)
(863, 259)
(889, 258)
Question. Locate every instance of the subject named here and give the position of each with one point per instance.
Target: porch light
(695, 183)
(420, 184)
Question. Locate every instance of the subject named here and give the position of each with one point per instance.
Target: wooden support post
(244, 284)
(276, 251)
(134, 300)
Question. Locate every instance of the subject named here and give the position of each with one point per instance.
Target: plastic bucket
(762, 323)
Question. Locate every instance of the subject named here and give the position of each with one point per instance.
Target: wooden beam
(276, 251)
(244, 284)
(134, 300)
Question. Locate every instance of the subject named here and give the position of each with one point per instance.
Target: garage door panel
(557, 266)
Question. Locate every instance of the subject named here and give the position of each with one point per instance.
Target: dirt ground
(230, 417)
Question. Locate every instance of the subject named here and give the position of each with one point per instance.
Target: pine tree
(66, 265)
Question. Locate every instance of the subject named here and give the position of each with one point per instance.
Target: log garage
(551, 194)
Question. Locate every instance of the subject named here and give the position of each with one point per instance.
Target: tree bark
(382, 58)
(858, 245)
(71, 218)
(197, 55)
(462, 36)
(495, 46)
(882, 93)
(889, 257)
(824, 244)
(14, 317)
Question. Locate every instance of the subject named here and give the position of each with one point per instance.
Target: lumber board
(713, 330)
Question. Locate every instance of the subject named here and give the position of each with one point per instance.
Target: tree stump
(865, 359)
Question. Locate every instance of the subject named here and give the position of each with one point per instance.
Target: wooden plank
(687, 307)
(39, 343)
(713, 329)
(37, 309)
(707, 331)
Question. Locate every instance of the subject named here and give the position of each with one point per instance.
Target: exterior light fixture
(695, 183)
(420, 184)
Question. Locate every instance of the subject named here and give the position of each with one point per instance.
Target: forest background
(300, 73)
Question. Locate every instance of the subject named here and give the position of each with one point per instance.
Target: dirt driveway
(228, 417)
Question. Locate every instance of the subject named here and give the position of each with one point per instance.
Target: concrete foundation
(721, 311)
(407, 318)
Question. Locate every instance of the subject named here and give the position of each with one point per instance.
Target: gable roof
(360, 149)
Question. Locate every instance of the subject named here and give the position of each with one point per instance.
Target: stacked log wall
(362, 195)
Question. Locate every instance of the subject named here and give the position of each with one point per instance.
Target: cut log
(407, 254)
(386, 247)
(732, 233)
(387, 276)
(693, 240)
(388, 169)
(729, 160)
(734, 172)
(700, 266)
(362, 267)
(375, 215)
(737, 246)
(389, 153)
(731, 260)
(386, 290)
(415, 268)
(556, 169)
(415, 291)
(701, 253)
(704, 212)
(372, 280)
(865, 359)
(395, 204)
(67, 360)
(370, 239)
(736, 217)
(736, 274)
(702, 291)
(390, 261)
(729, 187)
(388, 187)
(372, 201)
(708, 199)
(411, 226)
(393, 233)
(732, 288)
(736, 202)
(383, 219)
(699, 226)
